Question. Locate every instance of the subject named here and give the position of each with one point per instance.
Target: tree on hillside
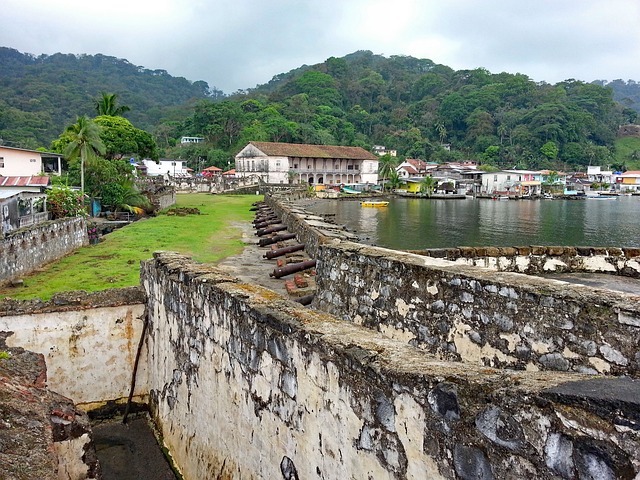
(121, 138)
(84, 142)
(107, 105)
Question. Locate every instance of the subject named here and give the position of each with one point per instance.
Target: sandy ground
(250, 265)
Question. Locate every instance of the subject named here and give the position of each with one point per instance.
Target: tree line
(415, 106)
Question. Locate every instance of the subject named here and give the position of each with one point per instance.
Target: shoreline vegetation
(114, 262)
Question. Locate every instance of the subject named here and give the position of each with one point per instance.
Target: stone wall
(245, 384)
(88, 340)
(472, 314)
(22, 251)
(43, 435)
(539, 260)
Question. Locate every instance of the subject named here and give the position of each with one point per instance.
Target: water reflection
(417, 223)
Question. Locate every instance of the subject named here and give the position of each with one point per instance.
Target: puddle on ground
(130, 451)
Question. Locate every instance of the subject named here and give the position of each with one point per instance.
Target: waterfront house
(512, 182)
(412, 167)
(275, 162)
(629, 181)
(20, 162)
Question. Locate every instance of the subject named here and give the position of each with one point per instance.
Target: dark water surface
(412, 224)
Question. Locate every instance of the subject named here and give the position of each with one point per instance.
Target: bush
(65, 202)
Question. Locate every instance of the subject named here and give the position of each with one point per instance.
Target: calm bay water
(410, 224)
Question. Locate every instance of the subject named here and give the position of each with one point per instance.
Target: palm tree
(386, 166)
(394, 180)
(106, 105)
(428, 185)
(84, 142)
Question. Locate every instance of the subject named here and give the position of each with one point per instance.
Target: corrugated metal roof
(302, 150)
(45, 154)
(31, 181)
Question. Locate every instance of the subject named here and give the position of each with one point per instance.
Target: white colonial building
(302, 163)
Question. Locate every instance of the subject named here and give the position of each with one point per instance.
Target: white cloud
(239, 44)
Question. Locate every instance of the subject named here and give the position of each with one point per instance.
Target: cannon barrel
(266, 223)
(263, 242)
(292, 268)
(306, 300)
(267, 231)
(265, 218)
(284, 250)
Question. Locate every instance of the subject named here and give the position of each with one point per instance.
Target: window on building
(1, 162)
(508, 177)
(495, 178)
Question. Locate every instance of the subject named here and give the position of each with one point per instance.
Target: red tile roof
(277, 149)
(212, 169)
(410, 169)
(33, 181)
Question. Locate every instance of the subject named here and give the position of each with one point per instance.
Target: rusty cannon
(262, 218)
(306, 300)
(292, 268)
(266, 231)
(263, 242)
(284, 250)
(266, 223)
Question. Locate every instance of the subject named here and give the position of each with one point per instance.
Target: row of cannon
(271, 232)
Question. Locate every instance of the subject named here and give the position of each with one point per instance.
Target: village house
(23, 202)
(20, 162)
(629, 181)
(165, 166)
(521, 182)
(286, 163)
(512, 182)
(412, 167)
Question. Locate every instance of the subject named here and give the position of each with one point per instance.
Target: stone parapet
(246, 384)
(539, 260)
(464, 313)
(22, 251)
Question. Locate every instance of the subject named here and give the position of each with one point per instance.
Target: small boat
(374, 203)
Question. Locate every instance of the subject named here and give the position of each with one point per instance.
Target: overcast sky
(238, 44)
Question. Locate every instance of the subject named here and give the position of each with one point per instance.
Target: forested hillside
(40, 96)
(407, 104)
(415, 107)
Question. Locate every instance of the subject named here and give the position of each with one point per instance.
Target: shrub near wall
(22, 251)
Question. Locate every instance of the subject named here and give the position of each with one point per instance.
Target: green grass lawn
(115, 261)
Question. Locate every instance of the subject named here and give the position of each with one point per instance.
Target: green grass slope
(115, 262)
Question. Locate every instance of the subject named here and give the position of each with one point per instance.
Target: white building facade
(172, 168)
(19, 162)
(289, 163)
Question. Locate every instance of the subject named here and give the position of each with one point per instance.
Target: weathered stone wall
(539, 260)
(471, 314)
(89, 342)
(43, 436)
(165, 200)
(24, 250)
(245, 384)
